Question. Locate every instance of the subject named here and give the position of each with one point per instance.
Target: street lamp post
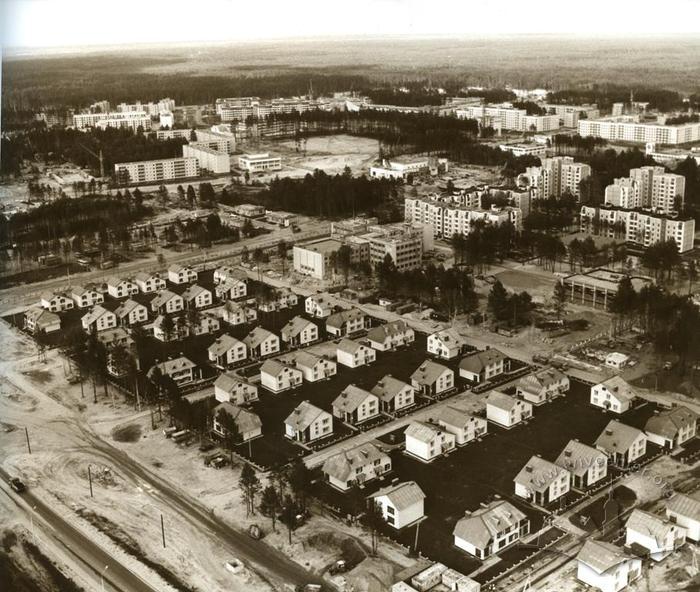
(102, 577)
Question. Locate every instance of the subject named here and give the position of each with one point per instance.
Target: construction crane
(98, 157)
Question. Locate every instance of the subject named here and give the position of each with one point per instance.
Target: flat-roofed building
(132, 120)
(313, 259)
(598, 286)
(260, 163)
(211, 160)
(626, 129)
(151, 171)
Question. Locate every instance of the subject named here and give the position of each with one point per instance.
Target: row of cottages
(130, 313)
(248, 424)
(356, 466)
(614, 394)
(204, 325)
(481, 366)
(542, 386)
(238, 314)
(314, 368)
(98, 319)
(261, 343)
(394, 394)
(446, 344)
(506, 411)
(56, 302)
(181, 369)
(231, 388)
(542, 482)
(181, 274)
(308, 423)
(354, 354)
(400, 504)
(346, 322)
(463, 425)
(432, 379)
(426, 441)
(355, 405)
(622, 443)
(319, 306)
(490, 529)
(283, 298)
(673, 427)
(121, 287)
(227, 351)
(278, 376)
(391, 336)
(149, 282)
(41, 321)
(299, 332)
(231, 289)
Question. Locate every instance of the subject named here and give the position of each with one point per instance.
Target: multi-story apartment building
(644, 177)
(637, 226)
(557, 176)
(506, 117)
(211, 160)
(153, 109)
(624, 193)
(150, 171)
(667, 192)
(569, 115)
(628, 129)
(132, 120)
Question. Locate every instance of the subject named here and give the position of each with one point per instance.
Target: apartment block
(148, 171)
(211, 160)
(628, 129)
(132, 120)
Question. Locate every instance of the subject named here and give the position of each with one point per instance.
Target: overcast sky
(59, 23)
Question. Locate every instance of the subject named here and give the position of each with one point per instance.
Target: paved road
(117, 577)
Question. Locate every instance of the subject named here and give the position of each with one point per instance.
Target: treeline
(58, 144)
(604, 95)
(606, 166)
(530, 107)
(412, 98)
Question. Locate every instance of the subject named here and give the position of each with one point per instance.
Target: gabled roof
(246, 421)
(146, 275)
(601, 556)
(175, 365)
(388, 387)
(476, 362)
(402, 495)
(538, 474)
(541, 379)
(429, 372)
(49, 296)
(423, 431)
(620, 388)
(126, 307)
(41, 316)
(193, 291)
(296, 325)
(223, 344)
(228, 284)
(617, 437)
(275, 367)
(228, 381)
(339, 319)
(162, 297)
(450, 338)
(177, 268)
(669, 423)
(649, 525)
(485, 523)
(97, 312)
(685, 505)
(108, 336)
(305, 359)
(379, 334)
(578, 457)
(454, 416)
(343, 465)
(304, 415)
(80, 290)
(114, 281)
(503, 401)
(257, 336)
(349, 346)
(351, 398)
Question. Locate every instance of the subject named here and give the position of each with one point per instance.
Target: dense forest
(604, 95)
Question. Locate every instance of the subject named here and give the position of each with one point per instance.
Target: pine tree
(250, 486)
(270, 504)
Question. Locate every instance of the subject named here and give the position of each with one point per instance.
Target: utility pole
(415, 542)
(162, 529)
(90, 480)
(26, 433)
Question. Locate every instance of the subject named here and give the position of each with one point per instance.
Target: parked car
(17, 485)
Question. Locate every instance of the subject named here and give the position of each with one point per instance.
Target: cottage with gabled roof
(111, 338)
(314, 367)
(505, 410)
(278, 376)
(427, 441)
(400, 504)
(56, 302)
(261, 343)
(684, 510)
(131, 313)
(181, 369)
(481, 366)
(149, 282)
(178, 329)
(672, 427)
(542, 482)
(391, 335)
(248, 424)
(231, 388)
(40, 320)
(345, 322)
(197, 297)
(121, 287)
(353, 353)
(432, 379)
(355, 405)
(308, 423)
(622, 443)
(281, 299)
(225, 272)
(542, 385)
(205, 324)
(318, 305)
(299, 332)
(660, 537)
(607, 567)
(586, 464)
(446, 344)
(464, 425)
(490, 529)
(181, 274)
(167, 302)
(99, 319)
(394, 394)
(85, 297)
(226, 351)
(232, 289)
(356, 466)
(614, 394)
(238, 314)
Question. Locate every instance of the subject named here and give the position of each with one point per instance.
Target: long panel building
(211, 160)
(132, 120)
(627, 129)
(151, 171)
